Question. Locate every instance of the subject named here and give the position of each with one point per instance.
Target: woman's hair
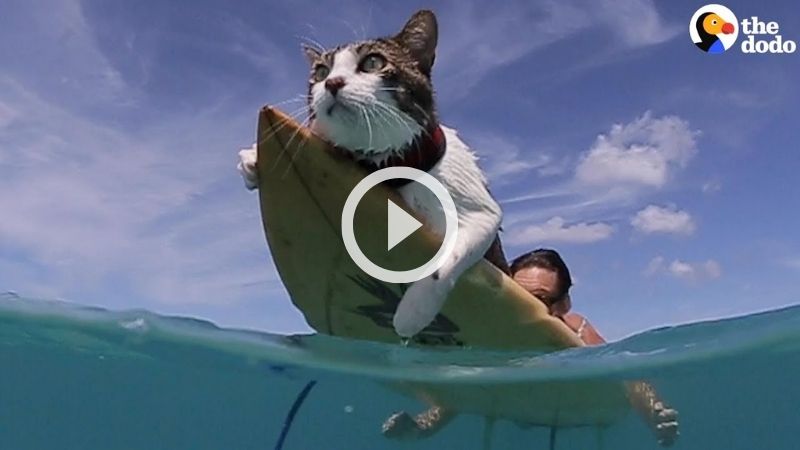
(549, 259)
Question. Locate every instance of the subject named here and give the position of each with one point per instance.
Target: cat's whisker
(383, 129)
(396, 110)
(297, 111)
(313, 42)
(428, 118)
(288, 149)
(382, 116)
(362, 107)
(383, 113)
(297, 99)
(385, 107)
(401, 113)
(288, 144)
(369, 125)
(299, 145)
(352, 29)
(294, 115)
(395, 113)
(392, 114)
(303, 124)
(379, 115)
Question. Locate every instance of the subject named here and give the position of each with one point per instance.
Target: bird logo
(713, 29)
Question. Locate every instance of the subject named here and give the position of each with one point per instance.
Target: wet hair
(549, 259)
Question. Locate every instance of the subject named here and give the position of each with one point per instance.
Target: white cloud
(644, 152)
(251, 45)
(712, 269)
(636, 22)
(556, 230)
(682, 269)
(669, 220)
(699, 271)
(502, 159)
(655, 266)
(479, 38)
(613, 176)
(135, 208)
(792, 263)
(68, 61)
(476, 40)
(708, 270)
(159, 216)
(711, 187)
(7, 115)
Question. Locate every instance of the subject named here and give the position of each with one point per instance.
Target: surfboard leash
(488, 432)
(553, 434)
(287, 423)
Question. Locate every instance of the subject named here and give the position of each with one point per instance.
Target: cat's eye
(320, 73)
(372, 63)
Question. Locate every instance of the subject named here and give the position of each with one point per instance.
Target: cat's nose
(334, 84)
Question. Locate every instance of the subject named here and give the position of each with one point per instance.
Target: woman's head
(544, 274)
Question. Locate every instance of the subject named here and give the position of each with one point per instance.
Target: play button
(401, 225)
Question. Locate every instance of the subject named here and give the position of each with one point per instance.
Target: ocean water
(85, 378)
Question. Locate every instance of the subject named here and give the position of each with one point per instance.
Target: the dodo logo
(714, 28)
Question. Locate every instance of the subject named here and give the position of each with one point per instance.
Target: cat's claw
(419, 306)
(247, 167)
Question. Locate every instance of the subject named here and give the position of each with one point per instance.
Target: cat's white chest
(479, 218)
(459, 173)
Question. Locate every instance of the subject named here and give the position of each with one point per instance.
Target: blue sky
(666, 177)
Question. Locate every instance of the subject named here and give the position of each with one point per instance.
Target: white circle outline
(728, 40)
(399, 276)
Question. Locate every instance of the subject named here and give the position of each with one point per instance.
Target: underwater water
(85, 378)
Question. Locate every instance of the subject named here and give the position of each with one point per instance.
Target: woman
(544, 274)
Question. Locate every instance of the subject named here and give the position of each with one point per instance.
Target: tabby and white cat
(375, 99)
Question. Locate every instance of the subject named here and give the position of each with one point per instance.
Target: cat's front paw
(419, 306)
(247, 167)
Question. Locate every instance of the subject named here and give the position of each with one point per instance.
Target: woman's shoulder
(574, 320)
(585, 330)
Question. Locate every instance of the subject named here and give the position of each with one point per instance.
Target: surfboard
(303, 185)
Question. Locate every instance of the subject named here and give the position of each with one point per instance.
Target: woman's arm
(402, 426)
(662, 420)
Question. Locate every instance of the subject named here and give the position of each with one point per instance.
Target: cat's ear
(419, 35)
(311, 53)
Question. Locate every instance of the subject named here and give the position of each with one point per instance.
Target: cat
(375, 100)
